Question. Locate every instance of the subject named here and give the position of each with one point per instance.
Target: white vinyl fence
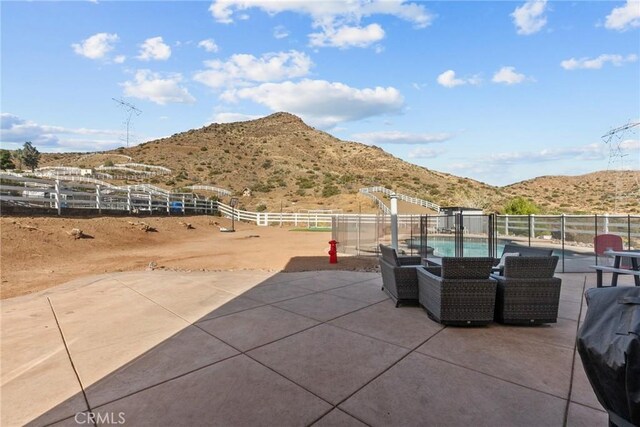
(414, 200)
(91, 194)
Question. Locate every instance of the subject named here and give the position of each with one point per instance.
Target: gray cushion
(389, 255)
(528, 267)
(466, 268)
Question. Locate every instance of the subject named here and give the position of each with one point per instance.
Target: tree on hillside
(30, 156)
(17, 156)
(5, 160)
(521, 206)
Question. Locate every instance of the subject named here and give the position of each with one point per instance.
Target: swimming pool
(473, 247)
(446, 246)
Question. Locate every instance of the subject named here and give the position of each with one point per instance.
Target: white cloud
(325, 12)
(16, 131)
(154, 48)
(597, 63)
(322, 103)
(425, 153)
(243, 68)
(585, 152)
(229, 117)
(280, 32)
(97, 46)
(119, 59)
(630, 144)
(155, 88)
(338, 21)
(449, 79)
(347, 36)
(209, 45)
(397, 137)
(512, 164)
(508, 76)
(529, 18)
(624, 17)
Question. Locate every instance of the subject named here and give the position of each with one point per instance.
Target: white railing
(270, 218)
(87, 180)
(381, 205)
(404, 198)
(142, 165)
(219, 191)
(84, 192)
(64, 170)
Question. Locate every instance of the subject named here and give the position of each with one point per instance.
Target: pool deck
(256, 348)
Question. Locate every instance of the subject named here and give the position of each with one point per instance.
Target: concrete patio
(257, 348)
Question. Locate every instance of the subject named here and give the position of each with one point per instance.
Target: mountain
(289, 165)
(599, 192)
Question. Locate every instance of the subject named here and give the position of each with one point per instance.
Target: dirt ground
(40, 252)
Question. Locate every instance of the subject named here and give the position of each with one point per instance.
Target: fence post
(629, 231)
(129, 199)
(358, 231)
(606, 223)
(183, 207)
(150, 205)
(58, 198)
(98, 204)
(394, 221)
(532, 230)
(168, 206)
(562, 228)
(506, 224)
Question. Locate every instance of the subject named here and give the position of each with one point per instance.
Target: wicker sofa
(399, 278)
(527, 291)
(460, 292)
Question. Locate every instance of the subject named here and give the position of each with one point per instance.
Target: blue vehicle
(175, 207)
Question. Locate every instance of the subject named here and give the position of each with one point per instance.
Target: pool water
(446, 247)
(442, 248)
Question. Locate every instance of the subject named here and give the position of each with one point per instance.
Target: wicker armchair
(460, 293)
(399, 279)
(510, 248)
(528, 294)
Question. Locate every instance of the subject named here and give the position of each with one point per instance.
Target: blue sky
(496, 91)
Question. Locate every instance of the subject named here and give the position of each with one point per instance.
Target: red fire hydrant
(333, 252)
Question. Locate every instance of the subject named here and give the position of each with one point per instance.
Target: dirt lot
(38, 253)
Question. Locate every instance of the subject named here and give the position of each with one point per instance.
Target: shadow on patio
(256, 348)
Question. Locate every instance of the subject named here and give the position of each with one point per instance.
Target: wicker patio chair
(509, 248)
(527, 291)
(460, 293)
(399, 279)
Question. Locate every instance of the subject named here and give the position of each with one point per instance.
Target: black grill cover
(609, 346)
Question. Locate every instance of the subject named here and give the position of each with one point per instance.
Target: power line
(615, 139)
(130, 110)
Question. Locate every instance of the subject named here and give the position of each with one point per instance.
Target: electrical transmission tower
(617, 140)
(130, 110)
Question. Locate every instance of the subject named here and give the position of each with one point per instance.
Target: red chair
(607, 242)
